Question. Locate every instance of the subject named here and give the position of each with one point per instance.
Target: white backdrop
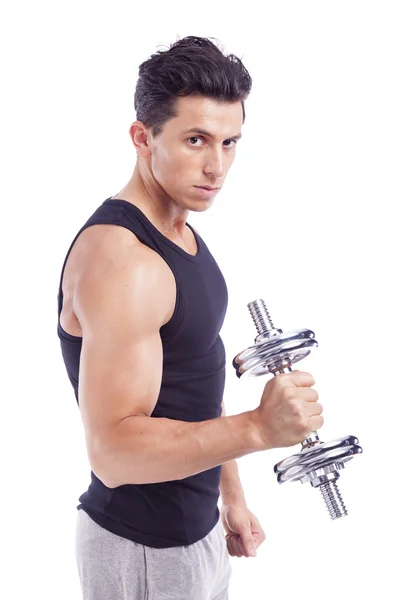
(306, 221)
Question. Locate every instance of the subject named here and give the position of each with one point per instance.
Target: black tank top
(180, 512)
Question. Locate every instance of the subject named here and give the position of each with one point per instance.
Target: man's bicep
(120, 311)
(117, 379)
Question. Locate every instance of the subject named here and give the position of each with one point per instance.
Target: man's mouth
(207, 187)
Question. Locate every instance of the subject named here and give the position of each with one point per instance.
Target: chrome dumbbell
(318, 462)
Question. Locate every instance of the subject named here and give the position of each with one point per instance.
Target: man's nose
(215, 165)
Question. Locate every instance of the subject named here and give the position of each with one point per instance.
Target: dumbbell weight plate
(321, 455)
(288, 347)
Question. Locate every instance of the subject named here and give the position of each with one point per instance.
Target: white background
(307, 220)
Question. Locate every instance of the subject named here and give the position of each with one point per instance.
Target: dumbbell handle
(263, 323)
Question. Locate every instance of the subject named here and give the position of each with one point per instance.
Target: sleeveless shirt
(179, 512)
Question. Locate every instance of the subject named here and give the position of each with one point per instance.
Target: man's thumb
(249, 544)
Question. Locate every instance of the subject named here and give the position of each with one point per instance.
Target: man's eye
(234, 141)
(194, 138)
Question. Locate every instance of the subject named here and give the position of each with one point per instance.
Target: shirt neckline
(136, 209)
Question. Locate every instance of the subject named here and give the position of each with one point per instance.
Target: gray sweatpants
(115, 568)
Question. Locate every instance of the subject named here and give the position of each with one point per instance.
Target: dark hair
(192, 65)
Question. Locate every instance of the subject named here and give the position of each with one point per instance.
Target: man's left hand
(243, 529)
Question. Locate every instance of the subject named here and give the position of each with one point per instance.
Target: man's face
(182, 159)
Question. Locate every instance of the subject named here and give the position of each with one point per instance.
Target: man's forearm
(143, 449)
(230, 486)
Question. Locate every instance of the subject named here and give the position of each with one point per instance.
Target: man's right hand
(288, 410)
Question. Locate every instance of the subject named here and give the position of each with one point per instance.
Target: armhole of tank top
(164, 329)
(60, 297)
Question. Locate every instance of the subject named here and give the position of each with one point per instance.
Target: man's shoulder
(103, 248)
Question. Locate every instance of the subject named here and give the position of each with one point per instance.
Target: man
(141, 305)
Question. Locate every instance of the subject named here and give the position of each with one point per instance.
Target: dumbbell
(318, 462)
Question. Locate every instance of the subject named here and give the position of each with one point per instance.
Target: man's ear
(139, 136)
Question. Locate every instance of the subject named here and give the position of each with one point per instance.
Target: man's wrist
(231, 488)
(233, 497)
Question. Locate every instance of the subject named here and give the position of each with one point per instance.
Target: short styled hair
(191, 66)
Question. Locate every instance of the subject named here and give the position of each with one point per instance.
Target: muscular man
(141, 305)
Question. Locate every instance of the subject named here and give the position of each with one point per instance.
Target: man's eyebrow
(210, 135)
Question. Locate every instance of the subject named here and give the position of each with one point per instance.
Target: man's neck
(165, 214)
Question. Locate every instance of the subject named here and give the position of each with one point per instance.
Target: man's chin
(195, 204)
(201, 206)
